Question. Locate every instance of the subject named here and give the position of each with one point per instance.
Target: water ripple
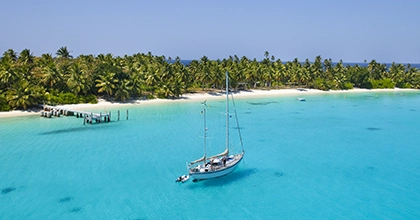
(76, 210)
(8, 190)
(260, 103)
(65, 199)
(373, 129)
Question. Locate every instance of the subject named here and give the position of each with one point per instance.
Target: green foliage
(323, 84)
(366, 85)
(69, 80)
(382, 84)
(348, 85)
(4, 106)
(403, 85)
(24, 95)
(151, 96)
(89, 99)
(68, 98)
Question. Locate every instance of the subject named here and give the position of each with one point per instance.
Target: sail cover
(224, 153)
(197, 161)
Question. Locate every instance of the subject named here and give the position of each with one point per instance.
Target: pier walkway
(89, 117)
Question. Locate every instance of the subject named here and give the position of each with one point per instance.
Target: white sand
(102, 105)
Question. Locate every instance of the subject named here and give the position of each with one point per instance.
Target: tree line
(27, 80)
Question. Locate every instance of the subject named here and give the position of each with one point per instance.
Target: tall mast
(227, 110)
(205, 134)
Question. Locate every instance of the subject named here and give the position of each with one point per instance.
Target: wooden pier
(88, 117)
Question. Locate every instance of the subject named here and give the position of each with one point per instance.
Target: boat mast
(205, 133)
(227, 110)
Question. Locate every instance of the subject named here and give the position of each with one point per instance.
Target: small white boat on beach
(300, 99)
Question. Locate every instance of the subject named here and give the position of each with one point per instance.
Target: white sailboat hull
(202, 172)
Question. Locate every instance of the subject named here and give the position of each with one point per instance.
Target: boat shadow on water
(237, 175)
(79, 129)
(261, 103)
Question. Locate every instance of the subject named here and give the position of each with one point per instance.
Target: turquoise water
(335, 156)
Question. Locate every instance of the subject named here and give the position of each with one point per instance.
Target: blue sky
(354, 31)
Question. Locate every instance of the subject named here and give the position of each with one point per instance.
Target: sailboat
(221, 164)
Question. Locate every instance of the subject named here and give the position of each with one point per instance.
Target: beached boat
(208, 167)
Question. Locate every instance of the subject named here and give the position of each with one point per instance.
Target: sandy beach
(103, 104)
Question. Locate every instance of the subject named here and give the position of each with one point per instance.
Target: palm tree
(308, 76)
(151, 79)
(251, 74)
(101, 58)
(294, 70)
(328, 65)
(123, 90)
(107, 83)
(396, 73)
(279, 70)
(8, 73)
(266, 54)
(63, 52)
(133, 68)
(413, 77)
(26, 57)
(181, 74)
(176, 86)
(267, 75)
(204, 74)
(137, 84)
(51, 77)
(316, 68)
(164, 91)
(339, 78)
(45, 60)
(376, 70)
(10, 53)
(24, 95)
(217, 75)
(76, 81)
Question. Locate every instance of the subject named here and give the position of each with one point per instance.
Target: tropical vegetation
(27, 80)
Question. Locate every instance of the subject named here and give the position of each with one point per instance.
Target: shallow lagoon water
(334, 156)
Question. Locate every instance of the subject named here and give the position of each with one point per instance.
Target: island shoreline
(103, 104)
